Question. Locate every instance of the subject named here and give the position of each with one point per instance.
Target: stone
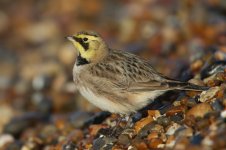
(199, 110)
(209, 94)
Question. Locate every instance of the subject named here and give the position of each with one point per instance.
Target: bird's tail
(186, 86)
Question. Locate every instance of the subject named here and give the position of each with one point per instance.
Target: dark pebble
(217, 105)
(78, 118)
(103, 143)
(97, 118)
(213, 68)
(137, 116)
(196, 139)
(177, 117)
(146, 130)
(16, 145)
(17, 125)
(163, 120)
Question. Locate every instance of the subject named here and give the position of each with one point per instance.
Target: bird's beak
(70, 38)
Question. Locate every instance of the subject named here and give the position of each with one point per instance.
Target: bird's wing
(137, 75)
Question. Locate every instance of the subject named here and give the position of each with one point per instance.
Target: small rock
(141, 145)
(156, 143)
(171, 129)
(69, 146)
(181, 143)
(154, 113)
(78, 118)
(17, 125)
(97, 118)
(199, 110)
(177, 117)
(6, 138)
(170, 141)
(164, 121)
(143, 122)
(217, 105)
(144, 132)
(223, 114)
(184, 131)
(209, 94)
(93, 129)
(213, 68)
(175, 110)
(16, 145)
(196, 66)
(196, 139)
(102, 142)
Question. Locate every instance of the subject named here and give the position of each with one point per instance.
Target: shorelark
(115, 80)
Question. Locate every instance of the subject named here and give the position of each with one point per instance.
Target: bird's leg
(118, 121)
(129, 120)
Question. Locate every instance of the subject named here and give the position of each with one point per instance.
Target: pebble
(217, 105)
(196, 139)
(164, 121)
(143, 122)
(209, 94)
(223, 114)
(69, 146)
(184, 132)
(19, 124)
(171, 129)
(79, 118)
(104, 142)
(5, 139)
(213, 68)
(6, 113)
(199, 110)
(176, 110)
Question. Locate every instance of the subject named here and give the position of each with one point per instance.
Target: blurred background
(36, 61)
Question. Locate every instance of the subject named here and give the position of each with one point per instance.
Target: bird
(115, 80)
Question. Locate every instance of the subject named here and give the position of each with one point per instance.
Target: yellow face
(89, 46)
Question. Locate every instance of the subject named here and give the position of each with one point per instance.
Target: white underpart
(139, 101)
(102, 102)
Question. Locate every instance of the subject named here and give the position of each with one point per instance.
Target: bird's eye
(85, 39)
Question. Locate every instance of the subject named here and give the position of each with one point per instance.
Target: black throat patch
(81, 61)
(82, 43)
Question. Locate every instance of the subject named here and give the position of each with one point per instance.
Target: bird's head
(90, 46)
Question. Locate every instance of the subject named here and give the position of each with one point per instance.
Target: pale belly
(138, 101)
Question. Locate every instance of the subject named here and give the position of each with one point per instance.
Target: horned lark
(117, 81)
